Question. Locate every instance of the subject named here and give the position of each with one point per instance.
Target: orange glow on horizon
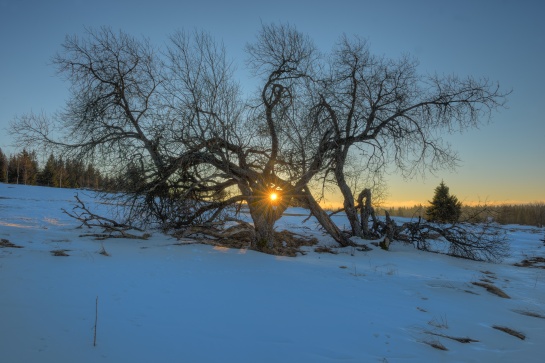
(333, 205)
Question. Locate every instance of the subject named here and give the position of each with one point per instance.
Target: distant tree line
(529, 214)
(23, 168)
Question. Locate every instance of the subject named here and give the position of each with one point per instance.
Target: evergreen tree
(3, 167)
(444, 208)
(29, 167)
(93, 177)
(14, 169)
(47, 177)
(23, 168)
(61, 175)
(74, 173)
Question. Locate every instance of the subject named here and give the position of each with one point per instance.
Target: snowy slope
(159, 301)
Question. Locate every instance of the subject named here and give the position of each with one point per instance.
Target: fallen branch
(122, 234)
(111, 228)
(479, 242)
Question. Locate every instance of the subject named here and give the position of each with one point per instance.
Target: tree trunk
(350, 210)
(390, 226)
(325, 220)
(264, 232)
(366, 211)
(348, 197)
(264, 215)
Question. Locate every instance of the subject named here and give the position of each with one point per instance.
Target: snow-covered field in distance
(159, 301)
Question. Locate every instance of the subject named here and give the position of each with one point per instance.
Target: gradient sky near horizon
(503, 161)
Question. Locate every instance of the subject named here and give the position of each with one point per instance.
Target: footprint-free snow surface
(160, 300)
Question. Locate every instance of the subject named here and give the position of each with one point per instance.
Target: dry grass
(103, 251)
(458, 339)
(61, 253)
(435, 344)
(7, 244)
(489, 274)
(530, 313)
(510, 331)
(325, 249)
(492, 289)
(440, 322)
(536, 262)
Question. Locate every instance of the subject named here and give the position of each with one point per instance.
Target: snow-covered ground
(159, 301)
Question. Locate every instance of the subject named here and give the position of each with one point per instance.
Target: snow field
(159, 301)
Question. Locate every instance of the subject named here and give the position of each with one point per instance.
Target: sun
(273, 196)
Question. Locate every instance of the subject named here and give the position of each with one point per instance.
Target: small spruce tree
(444, 208)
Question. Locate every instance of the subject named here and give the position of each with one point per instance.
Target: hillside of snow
(160, 300)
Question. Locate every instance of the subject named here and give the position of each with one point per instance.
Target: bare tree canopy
(175, 122)
(388, 114)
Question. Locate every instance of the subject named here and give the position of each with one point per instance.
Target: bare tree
(394, 115)
(297, 144)
(173, 124)
(122, 113)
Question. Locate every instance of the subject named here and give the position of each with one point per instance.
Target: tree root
(242, 236)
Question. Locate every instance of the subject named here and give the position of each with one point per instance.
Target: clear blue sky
(501, 40)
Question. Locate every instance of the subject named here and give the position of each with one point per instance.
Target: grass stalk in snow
(458, 339)
(96, 321)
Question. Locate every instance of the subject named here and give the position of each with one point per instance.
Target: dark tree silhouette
(172, 125)
(444, 207)
(3, 167)
(384, 112)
